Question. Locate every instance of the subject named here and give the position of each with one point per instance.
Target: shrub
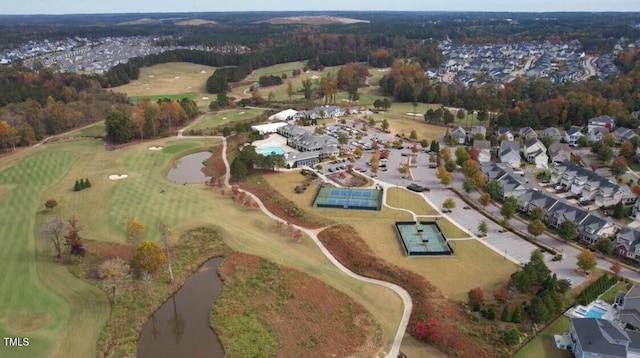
(148, 257)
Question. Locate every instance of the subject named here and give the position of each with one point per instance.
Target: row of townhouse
(589, 185)
(590, 227)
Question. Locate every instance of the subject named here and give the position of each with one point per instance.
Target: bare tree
(114, 274)
(53, 230)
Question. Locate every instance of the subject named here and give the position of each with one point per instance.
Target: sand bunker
(224, 117)
(241, 112)
(151, 76)
(177, 77)
(118, 177)
(155, 148)
(205, 98)
(189, 87)
(203, 71)
(314, 77)
(414, 114)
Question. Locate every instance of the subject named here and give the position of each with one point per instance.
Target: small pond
(180, 328)
(188, 169)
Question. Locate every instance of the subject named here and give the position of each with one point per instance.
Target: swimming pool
(595, 312)
(269, 150)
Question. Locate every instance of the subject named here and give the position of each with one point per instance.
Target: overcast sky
(115, 6)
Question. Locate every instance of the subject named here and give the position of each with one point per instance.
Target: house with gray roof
(559, 152)
(312, 147)
(459, 133)
(572, 135)
(597, 134)
(593, 337)
(527, 133)
(623, 134)
(635, 210)
(484, 150)
(593, 228)
(532, 199)
(535, 152)
(505, 132)
(603, 121)
(612, 194)
(478, 130)
(627, 244)
(563, 211)
(553, 133)
(629, 307)
(509, 153)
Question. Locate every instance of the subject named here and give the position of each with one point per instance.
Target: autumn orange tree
(148, 257)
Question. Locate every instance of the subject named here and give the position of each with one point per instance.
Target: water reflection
(180, 328)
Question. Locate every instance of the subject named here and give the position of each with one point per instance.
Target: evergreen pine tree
(77, 187)
(82, 184)
(516, 317)
(87, 183)
(506, 315)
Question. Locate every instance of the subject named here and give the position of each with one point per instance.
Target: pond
(180, 328)
(188, 169)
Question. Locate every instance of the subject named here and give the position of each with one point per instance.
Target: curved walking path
(404, 295)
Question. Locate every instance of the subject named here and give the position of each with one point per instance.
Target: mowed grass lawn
(224, 118)
(47, 305)
(473, 265)
(101, 210)
(544, 345)
(95, 130)
(169, 79)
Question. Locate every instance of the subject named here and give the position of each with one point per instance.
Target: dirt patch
(458, 335)
(348, 179)
(306, 317)
(108, 250)
(27, 322)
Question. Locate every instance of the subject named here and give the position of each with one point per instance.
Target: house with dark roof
(478, 130)
(532, 199)
(627, 243)
(509, 153)
(635, 210)
(484, 150)
(559, 152)
(527, 133)
(623, 134)
(459, 133)
(603, 121)
(610, 195)
(553, 133)
(572, 135)
(593, 337)
(593, 228)
(505, 133)
(312, 147)
(629, 307)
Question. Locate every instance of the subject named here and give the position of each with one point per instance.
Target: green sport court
(422, 239)
(348, 198)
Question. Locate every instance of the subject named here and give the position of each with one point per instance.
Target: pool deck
(275, 140)
(609, 315)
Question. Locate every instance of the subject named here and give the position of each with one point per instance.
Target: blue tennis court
(422, 239)
(348, 198)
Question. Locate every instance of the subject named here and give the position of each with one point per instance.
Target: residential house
(629, 305)
(527, 133)
(603, 121)
(559, 169)
(623, 134)
(535, 199)
(627, 244)
(479, 130)
(459, 133)
(535, 152)
(492, 171)
(484, 150)
(509, 153)
(610, 195)
(594, 337)
(511, 186)
(505, 133)
(559, 152)
(586, 179)
(593, 228)
(597, 134)
(553, 133)
(571, 136)
(563, 211)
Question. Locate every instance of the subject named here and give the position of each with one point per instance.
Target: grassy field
(47, 304)
(610, 295)
(543, 345)
(472, 265)
(401, 198)
(222, 118)
(96, 130)
(173, 80)
(175, 97)
(101, 210)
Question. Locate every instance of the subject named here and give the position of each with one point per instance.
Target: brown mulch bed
(459, 335)
(109, 250)
(348, 179)
(312, 320)
(214, 166)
